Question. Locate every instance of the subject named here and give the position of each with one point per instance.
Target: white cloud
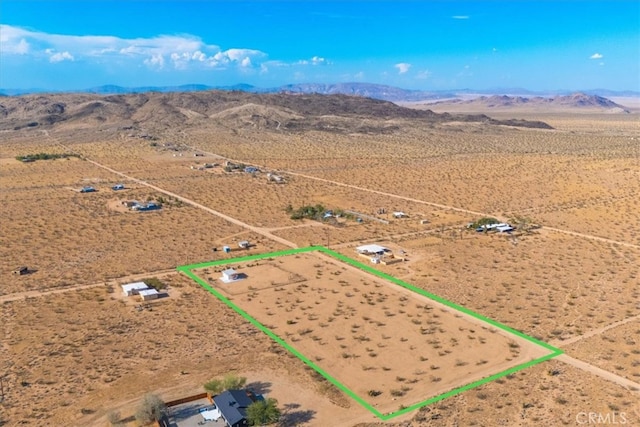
(156, 61)
(181, 51)
(460, 17)
(315, 60)
(596, 56)
(61, 56)
(402, 67)
(13, 40)
(424, 74)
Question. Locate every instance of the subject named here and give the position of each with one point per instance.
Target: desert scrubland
(68, 358)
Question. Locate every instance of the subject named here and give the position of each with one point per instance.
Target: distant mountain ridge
(575, 100)
(369, 90)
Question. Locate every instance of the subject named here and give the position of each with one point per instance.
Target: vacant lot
(388, 345)
(548, 285)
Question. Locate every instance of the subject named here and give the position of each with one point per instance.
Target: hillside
(278, 112)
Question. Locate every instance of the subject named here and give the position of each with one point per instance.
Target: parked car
(118, 187)
(87, 190)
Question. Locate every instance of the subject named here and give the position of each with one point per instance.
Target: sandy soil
(83, 353)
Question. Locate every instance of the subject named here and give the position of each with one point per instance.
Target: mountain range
(281, 112)
(369, 90)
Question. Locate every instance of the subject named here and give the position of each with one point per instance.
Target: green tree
(229, 382)
(263, 412)
(152, 408)
(214, 386)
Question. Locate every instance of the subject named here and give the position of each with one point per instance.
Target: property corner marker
(188, 271)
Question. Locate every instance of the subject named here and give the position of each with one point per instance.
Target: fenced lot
(391, 347)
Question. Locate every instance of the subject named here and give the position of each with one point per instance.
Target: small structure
(424, 221)
(21, 271)
(251, 169)
(233, 405)
(372, 250)
(87, 189)
(272, 177)
(226, 249)
(133, 288)
(143, 207)
(230, 275)
(130, 203)
(210, 414)
(399, 215)
(148, 294)
(244, 244)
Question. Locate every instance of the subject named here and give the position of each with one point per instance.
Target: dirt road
(424, 202)
(130, 278)
(564, 343)
(609, 376)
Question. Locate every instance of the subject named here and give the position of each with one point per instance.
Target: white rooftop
(229, 272)
(134, 286)
(372, 249)
(150, 291)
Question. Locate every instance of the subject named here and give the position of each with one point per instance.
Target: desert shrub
(113, 417)
(152, 408)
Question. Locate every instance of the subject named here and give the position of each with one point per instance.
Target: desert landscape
(567, 178)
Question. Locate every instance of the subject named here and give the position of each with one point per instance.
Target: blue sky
(429, 45)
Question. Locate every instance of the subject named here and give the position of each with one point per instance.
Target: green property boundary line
(554, 352)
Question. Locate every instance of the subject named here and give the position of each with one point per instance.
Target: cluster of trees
(316, 212)
(155, 283)
(44, 156)
(484, 221)
(308, 211)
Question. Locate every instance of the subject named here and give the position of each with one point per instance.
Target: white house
(148, 294)
(133, 288)
(230, 275)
